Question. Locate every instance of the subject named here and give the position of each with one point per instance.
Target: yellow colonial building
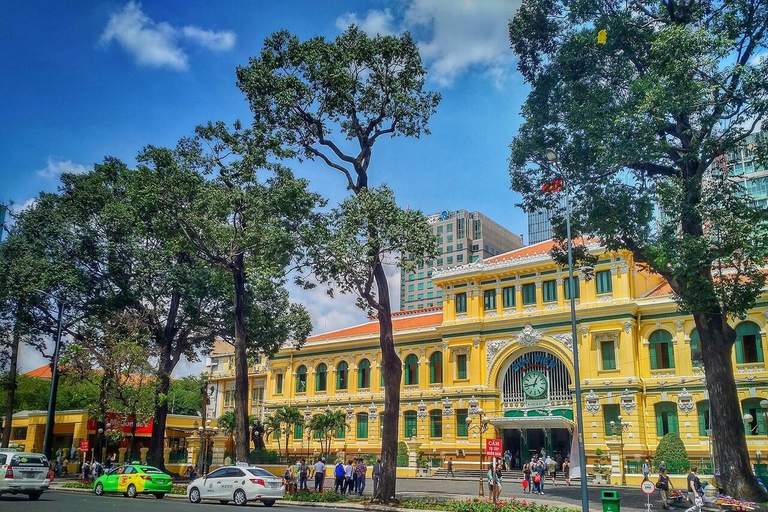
(501, 343)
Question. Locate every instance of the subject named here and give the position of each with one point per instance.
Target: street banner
(493, 448)
(575, 456)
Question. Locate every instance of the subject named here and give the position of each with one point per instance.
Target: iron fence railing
(635, 467)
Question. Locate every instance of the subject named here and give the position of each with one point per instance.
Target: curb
(90, 491)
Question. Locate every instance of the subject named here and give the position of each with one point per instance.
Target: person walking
(664, 485)
(338, 473)
(552, 468)
(288, 477)
(354, 475)
(567, 472)
(349, 475)
(319, 469)
(694, 484)
(507, 461)
(376, 475)
(527, 477)
(646, 470)
(498, 482)
(86, 471)
(493, 481)
(450, 468)
(542, 470)
(360, 471)
(303, 471)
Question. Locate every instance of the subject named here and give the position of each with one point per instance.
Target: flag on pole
(555, 185)
(575, 456)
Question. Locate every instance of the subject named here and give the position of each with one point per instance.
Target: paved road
(79, 502)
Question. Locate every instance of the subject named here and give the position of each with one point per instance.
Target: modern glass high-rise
(540, 225)
(462, 237)
(744, 168)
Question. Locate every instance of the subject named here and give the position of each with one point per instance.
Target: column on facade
(539, 293)
(499, 299)
(474, 302)
(518, 297)
(30, 443)
(586, 293)
(561, 290)
(449, 366)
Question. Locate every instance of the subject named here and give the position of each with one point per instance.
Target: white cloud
(20, 207)
(215, 41)
(374, 23)
(454, 36)
(158, 44)
(56, 168)
(464, 34)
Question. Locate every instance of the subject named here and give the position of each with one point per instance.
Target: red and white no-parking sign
(493, 447)
(647, 487)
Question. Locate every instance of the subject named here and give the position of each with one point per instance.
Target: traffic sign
(493, 447)
(84, 445)
(647, 487)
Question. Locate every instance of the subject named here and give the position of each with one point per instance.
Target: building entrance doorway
(530, 442)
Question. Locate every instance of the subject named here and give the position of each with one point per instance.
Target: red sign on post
(493, 448)
(84, 447)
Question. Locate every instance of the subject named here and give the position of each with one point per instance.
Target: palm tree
(273, 426)
(325, 425)
(290, 417)
(337, 420)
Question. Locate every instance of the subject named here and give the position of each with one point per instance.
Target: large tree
(247, 218)
(332, 101)
(639, 102)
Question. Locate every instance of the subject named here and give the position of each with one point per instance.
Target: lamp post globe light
(554, 163)
(480, 428)
(618, 429)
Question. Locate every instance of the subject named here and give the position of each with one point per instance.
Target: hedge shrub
(671, 450)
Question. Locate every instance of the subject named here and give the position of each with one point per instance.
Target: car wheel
(159, 495)
(194, 495)
(240, 498)
(131, 492)
(99, 489)
(268, 503)
(34, 496)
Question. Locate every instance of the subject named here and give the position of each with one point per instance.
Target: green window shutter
(411, 362)
(410, 424)
(610, 413)
(603, 280)
(508, 297)
(695, 341)
(489, 300)
(279, 384)
(702, 408)
(671, 352)
(461, 423)
(298, 431)
(431, 373)
(436, 368)
(436, 423)
(739, 351)
(672, 420)
(529, 293)
(362, 426)
(608, 353)
(461, 362)
(659, 424)
(461, 303)
(359, 377)
(759, 342)
(550, 290)
(654, 361)
(575, 287)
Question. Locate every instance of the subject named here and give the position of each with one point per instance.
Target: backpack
(340, 470)
(537, 478)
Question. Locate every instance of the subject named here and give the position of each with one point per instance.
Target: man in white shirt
(319, 468)
(348, 470)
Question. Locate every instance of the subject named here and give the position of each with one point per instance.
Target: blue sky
(82, 80)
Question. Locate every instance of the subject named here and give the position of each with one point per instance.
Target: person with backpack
(288, 477)
(339, 473)
(664, 485)
(303, 472)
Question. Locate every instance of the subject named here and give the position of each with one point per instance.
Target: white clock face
(534, 384)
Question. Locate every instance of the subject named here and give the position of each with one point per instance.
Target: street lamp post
(51, 415)
(206, 433)
(553, 160)
(480, 428)
(619, 429)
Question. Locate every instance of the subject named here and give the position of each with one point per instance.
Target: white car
(23, 473)
(238, 484)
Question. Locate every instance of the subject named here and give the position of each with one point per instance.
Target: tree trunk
(133, 435)
(103, 410)
(393, 371)
(11, 389)
(157, 441)
(242, 444)
(717, 339)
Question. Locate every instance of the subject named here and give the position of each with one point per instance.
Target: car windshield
(151, 471)
(29, 460)
(260, 472)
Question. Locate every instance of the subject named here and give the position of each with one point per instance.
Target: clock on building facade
(535, 384)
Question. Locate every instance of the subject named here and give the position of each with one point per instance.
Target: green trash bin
(611, 501)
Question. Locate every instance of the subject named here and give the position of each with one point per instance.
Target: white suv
(23, 473)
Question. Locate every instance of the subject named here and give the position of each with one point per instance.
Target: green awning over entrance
(567, 413)
(532, 422)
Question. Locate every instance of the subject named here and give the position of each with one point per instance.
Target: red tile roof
(44, 372)
(529, 250)
(662, 290)
(401, 320)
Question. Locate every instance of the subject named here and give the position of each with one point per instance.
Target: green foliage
(602, 465)
(671, 450)
(476, 505)
(263, 457)
(316, 497)
(226, 423)
(365, 230)
(402, 449)
(32, 393)
(184, 396)
(325, 425)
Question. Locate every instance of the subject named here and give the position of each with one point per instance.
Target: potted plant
(602, 468)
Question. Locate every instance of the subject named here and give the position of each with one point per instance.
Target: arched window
(749, 346)
(662, 351)
(702, 411)
(362, 425)
(756, 427)
(301, 379)
(666, 418)
(436, 368)
(364, 374)
(321, 379)
(436, 423)
(411, 370)
(342, 375)
(410, 424)
(695, 347)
